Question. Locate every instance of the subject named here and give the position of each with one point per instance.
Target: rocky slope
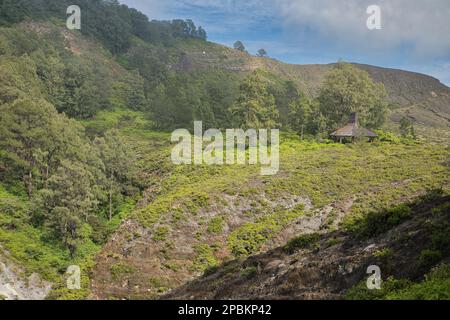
(327, 267)
(15, 285)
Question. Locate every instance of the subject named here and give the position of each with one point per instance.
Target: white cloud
(414, 33)
(422, 26)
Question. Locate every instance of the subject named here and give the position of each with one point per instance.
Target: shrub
(429, 257)
(383, 254)
(361, 292)
(119, 270)
(216, 225)
(249, 272)
(376, 223)
(204, 258)
(249, 238)
(301, 242)
(387, 136)
(161, 233)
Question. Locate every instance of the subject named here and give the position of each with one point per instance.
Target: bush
(161, 233)
(204, 257)
(249, 272)
(376, 223)
(216, 225)
(119, 270)
(429, 257)
(387, 136)
(301, 242)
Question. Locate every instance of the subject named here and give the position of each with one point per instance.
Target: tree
(300, 113)
(348, 89)
(201, 34)
(305, 117)
(238, 45)
(25, 132)
(129, 93)
(118, 160)
(262, 53)
(255, 106)
(72, 195)
(407, 128)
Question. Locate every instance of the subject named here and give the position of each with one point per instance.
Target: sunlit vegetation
(435, 286)
(84, 137)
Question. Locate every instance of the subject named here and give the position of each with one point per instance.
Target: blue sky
(415, 34)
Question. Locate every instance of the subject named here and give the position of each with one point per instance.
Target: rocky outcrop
(327, 268)
(15, 285)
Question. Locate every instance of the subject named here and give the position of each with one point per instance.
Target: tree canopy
(238, 45)
(255, 107)
(348, 89)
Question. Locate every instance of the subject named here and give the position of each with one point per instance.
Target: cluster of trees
(113, 24)
(255, 106)
(185, 97)
(75, 182)
(346, 89)
(78, 86)
(187, 29)
(238, 45)
(68, 177)
(221, 100)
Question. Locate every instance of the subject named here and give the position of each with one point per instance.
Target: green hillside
(86, 176)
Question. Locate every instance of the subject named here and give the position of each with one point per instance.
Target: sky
(414, 34)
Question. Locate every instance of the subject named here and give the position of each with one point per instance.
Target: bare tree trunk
(110, 196)
(28, 182)
(110, 204)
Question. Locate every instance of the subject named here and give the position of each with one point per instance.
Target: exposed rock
(14, 285)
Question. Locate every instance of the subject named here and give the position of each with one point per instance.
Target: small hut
(353, 131)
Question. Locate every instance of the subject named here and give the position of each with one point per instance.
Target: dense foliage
(77, 144)
(107, 20)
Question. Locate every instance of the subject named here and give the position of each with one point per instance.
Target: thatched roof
(352, 129)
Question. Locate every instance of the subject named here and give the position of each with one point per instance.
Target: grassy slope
(419, 96)
(200, 216)
(410, 243)
(385, 173)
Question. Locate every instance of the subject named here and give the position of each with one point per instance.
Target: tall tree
(118, 160)
(261, 53)
(300, 115)
(201, 34)
(24, 134)
(407, 128)
(238, 45)
(349, 89)
(72, 196)
(255, 107)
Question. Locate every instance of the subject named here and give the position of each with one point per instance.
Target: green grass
(249, 238)
(381, 175)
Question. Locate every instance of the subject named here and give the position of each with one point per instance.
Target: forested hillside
(85, 171)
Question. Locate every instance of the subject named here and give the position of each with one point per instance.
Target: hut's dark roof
(352, 129)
